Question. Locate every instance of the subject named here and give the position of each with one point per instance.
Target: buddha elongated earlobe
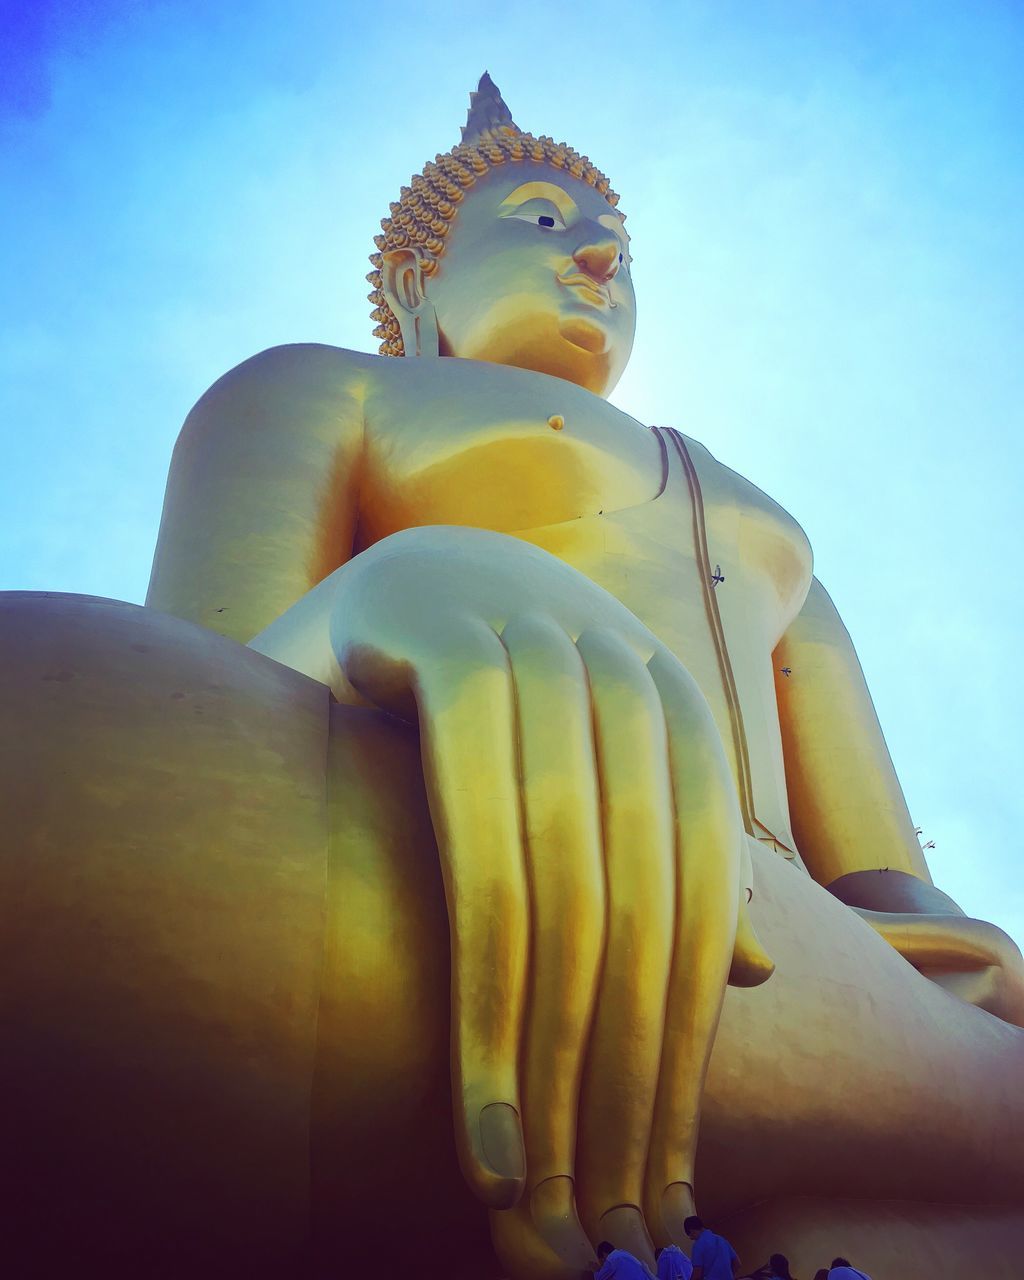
(402, 283)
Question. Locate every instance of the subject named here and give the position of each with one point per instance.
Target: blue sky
(825, 204)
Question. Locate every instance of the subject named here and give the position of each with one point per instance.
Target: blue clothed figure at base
(620, 1265)
(715, 1254)
(673, 1264)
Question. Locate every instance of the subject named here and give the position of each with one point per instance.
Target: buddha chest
(717, 571)
(709, 563)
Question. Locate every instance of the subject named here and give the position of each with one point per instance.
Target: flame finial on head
(488, 114)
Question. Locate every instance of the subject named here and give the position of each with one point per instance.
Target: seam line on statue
(739, 736)
(526, 863)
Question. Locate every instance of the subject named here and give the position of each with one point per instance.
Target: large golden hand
(591, 846)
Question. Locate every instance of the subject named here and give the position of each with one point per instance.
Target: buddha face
(535, 274)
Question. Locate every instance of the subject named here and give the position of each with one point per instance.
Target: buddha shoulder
(442, 441)
(745, 525)
(423, 409)
(286, 390)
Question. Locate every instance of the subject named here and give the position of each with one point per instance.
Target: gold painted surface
(463, 937)
(162, 878)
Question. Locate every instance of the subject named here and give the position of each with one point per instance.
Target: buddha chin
(575, 343)
(586, 334)
(577, 348)
(574, 347)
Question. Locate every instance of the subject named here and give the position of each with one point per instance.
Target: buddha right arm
(852, 825)
(262, 494)
(570, 764)
(847, 806)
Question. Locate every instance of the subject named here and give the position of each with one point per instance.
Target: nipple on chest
(556, 422)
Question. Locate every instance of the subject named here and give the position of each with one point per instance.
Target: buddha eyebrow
(560, 198)
(615, 223)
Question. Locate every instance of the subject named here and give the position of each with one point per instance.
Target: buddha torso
(645, 513)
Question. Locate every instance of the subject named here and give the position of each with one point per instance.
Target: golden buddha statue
(487, 786)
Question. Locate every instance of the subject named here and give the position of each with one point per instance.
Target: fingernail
(553, 1209)
(676, 1206)
(501, 1145)
(624, 1227)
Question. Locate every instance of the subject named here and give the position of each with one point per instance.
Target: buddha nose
(599, 257)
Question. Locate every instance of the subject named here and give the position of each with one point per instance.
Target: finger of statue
(467, 722)
(523, 1252)
(708, 844)
(565, 869)
(621, 1073)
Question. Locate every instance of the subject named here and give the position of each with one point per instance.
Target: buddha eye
(620, 257)
(546, 215)
(549, 221)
